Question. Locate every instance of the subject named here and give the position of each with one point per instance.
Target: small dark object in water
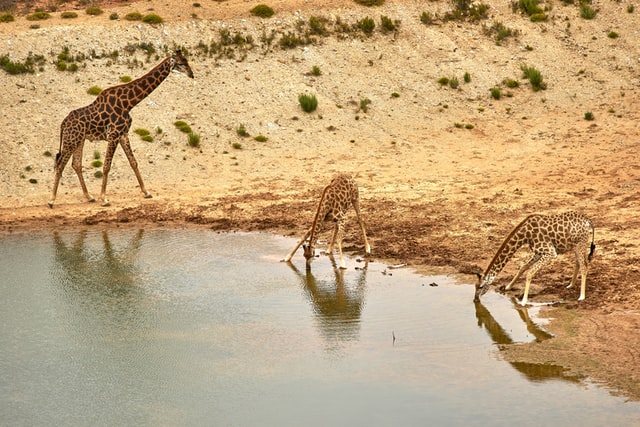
(433, 284)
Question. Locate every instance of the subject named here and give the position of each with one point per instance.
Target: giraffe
(107, 118)
(547, 236)
(334, 203)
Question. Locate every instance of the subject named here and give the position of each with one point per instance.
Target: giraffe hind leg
(76, 164)
(126, 146)
(367, 246)
(290, 254)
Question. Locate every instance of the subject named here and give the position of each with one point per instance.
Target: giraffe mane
(499, 252)
(317, 216)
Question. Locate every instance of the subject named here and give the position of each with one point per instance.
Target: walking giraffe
(547, 236)
(107, 118)
(334, 203)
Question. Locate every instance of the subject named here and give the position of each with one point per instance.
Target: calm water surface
(191, 327)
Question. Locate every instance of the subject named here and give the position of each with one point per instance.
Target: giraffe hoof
(106, 203)
(148, 196)
(50, 204)
(91, 200)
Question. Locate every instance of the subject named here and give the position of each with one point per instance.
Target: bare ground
(433, 193)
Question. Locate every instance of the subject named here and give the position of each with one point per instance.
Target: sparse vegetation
(613, 35)
(193, 139)
(427, 18)
(125, 79)
(6, 17)
(589, 116)
(261, 138)
(309, 103)
(93, 11)
(152, 18)
(315, 71)
(38, 16)
(467, 77)
(388, 25)
(453, 82)
(133, 16)
(26, 67)
(366, 25)
(364, 105)
(182, 126)
(68, 15)
(496, 92)
(370, 2)
(466, 10)
(586, 11)
(534, 76)
(242, 131)
(262, 11)
(443, 81)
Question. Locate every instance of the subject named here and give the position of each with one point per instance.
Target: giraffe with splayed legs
(336, 199)
(107, 118)
(547, 236)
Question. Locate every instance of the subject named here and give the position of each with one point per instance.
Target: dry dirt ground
(445, 173)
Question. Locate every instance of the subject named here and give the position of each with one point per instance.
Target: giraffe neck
(130, 94)
(321, 207)
(509, 247)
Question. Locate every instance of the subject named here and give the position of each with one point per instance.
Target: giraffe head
(309, 252)
(484, 282)
(179, 63)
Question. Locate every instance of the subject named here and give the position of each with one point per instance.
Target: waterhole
(193, 327)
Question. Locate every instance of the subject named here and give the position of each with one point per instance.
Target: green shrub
(6, 17)
(613, 35)
(261, 138)
(586, 11)
(530, 7)
(236, 145)
(114, 16)
(364, 105)
(133, 16)
(14, 68)
(308, 102)
(453, 82)
(366, 25)
(315, 70)
(370, 2)
(94, 90)
(242, 131)
(152, 18)
(182, 126)
(96, 154)
(387, 25)
(534, 76)
(538, 17)
(589, 116)
(262, 11)
(443, 81)
(427, 18)
(467, 77)
(125, 79)
(38, 16)
(96, 163)
(68, 15)
(511, 83)
(193, 139)
(496, 93)
(147, 138)
(93, 11)
(142, 132)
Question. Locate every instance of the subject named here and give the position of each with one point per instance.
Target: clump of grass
(96, 163)
(93, 11)
(630, 8)
(387, 25)
(453, 82)
(427, 18)
(370, 2)
(68, 15)
(613, 35)
(534, 76)
(6, 17)
(38, 16)
(261, 138)
(94, 90)
(511, 83)
(133, 16)
(182, 126)
(98, 174)
(143, 133)
(443, 81)
(589, 116)
(152, 18)
(114, 16)
(242, 131)
(28, 66)
(262, 11)
(315, 71)
(586, 11)
(364, 105)
(125, 79)
(308, 102)
(236, 146)
(496, 92)
(530, 7)
(193, 139)
(366, 25)
(467, 77)
(395, 95)
(466, 10)
(96, 154)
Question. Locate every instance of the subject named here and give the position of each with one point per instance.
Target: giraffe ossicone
(107, 118)
(336, 199)
(547, 236)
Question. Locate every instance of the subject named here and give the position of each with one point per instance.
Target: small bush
(152, 18)
(68, 15)
(315, 70)
(182, 126)
(530, 7)
(261, 138)
(534, 76)
(142, 132)
(262, 11)
(427, 18)
(496, 93)
(193, 139)
(366, 25)
(125, 79)
(467, 77)
(133, 16)
(589, 116)
(38, 16)
(236, 145)
(454, 83)
(6, 17)
(511, 83)
(395, 95)
(370, 2)
(538, 17)
(96, 154)
(308, 102)
(93, 11)
(613, 35)
(114, 16)
(94, 90)
(586, 11)
(443, 81)
(96, 163)
(387, 25)
(242, 131)
(364, 105)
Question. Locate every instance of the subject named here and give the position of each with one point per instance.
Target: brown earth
(445, 173)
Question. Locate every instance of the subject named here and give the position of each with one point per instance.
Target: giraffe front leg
(134, 165)
(339, 234)
(290, 254)
(76, 164)
(523, 268)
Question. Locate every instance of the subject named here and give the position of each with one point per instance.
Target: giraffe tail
(593, 244)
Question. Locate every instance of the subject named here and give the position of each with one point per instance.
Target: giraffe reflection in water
(88, 268)
(532, 371)
(337, 304)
